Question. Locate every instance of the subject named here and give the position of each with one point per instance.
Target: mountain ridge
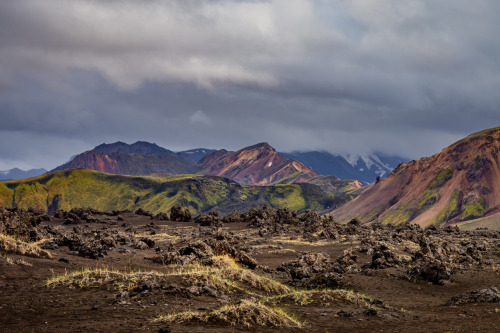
(259, 164)
(454, 186)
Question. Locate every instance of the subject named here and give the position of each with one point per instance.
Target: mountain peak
(263, 146)
(139, 147)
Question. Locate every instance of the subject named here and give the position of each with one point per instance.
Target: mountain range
(455, 186)
(14, 174)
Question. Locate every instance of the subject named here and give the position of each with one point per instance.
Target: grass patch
(225, 275)
(9, 244)
(326, 296)
(247, 313)
(281, 251)
(474, 210)
(451, 210)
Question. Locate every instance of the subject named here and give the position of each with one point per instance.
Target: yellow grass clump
(9, 244)
(247, 313)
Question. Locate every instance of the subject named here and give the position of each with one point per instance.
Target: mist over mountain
(363, 168)
(14, 174)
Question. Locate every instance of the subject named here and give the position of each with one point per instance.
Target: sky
(346, 76)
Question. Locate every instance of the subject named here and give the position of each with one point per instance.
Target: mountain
(140, 147)
(120, 163)
(363, 168)
(14, 174)
(193, 156)
(259, 164)
(459, 184)
(157, 193)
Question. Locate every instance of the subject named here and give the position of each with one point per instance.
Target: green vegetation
(488, 131)
(451, 210)
(399, 215)
(157, 193)
(441, 178)
(474, 209)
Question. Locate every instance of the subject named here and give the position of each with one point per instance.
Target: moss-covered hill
(157, 193)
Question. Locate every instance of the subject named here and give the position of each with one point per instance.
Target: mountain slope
(362, 168)
(193, 156)
(14, 174)
(259, 164)
(158, 193)
(460, 183)
(129, 164)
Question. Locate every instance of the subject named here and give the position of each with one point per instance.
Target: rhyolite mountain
(459, 185)
(120, 163)
(15, 173)
(191, 156)
(362, 168)
(259, 164)
(140, 148)
(158, 193)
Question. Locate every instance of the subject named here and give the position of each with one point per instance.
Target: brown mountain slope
(461, 183)
(259, 164)
(129, 164)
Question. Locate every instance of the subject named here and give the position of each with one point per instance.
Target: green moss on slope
(474, 210)
(451, 210)
(157, 193)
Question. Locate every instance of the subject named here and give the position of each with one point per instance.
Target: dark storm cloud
(404, 77)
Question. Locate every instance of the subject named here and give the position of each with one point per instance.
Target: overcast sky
(355, 76)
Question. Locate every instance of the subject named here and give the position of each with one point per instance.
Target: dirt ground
(400, 301)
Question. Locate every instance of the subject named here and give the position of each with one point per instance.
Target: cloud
(405, 77)
(199, 117)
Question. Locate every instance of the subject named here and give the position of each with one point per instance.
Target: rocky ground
(261, 270)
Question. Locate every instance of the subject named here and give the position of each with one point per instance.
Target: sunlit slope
(455, 186)
(157, 193)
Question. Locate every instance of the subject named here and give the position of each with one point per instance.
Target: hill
(459, 184)
(157, 193)
(259, 164)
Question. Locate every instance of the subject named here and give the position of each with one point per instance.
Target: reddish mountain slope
(461, 183)
(259, 164)
(129, 164)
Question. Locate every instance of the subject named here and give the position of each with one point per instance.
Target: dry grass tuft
(9, 244)
(225, 275)
(95, 277)
(327, 296)
(247, 313)
(282, 251)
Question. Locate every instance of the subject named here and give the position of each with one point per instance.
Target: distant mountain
(130, 164)
(458, 185)
(362, 168)
(140, 147)
(14, 174)
(158, 193)
(193, 156)
(259, 164)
